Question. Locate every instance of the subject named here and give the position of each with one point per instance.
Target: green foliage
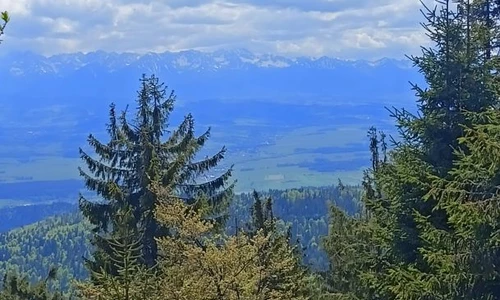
(57, 241)
(389, 244)
(5, 18)
(348, 256)
(62, 241)
(15, 287)
(305, 210)
(278, 248)
(463, 262)
(137, 155)
(132, 280)
(258, 263)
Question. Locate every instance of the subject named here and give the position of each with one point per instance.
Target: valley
(269, 149)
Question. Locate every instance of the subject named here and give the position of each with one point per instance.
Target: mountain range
(22, 63)
(231, 74)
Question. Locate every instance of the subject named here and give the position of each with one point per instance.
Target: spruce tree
(133, 280)
(464, 263)
(137, 154)
(460, 70)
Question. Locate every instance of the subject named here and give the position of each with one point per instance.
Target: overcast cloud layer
(367, 29)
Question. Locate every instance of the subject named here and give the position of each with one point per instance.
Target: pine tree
(138, 154)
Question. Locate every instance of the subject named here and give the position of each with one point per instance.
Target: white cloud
(342, 28)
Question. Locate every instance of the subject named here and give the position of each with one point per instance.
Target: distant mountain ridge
(22, 63)
(195, 75)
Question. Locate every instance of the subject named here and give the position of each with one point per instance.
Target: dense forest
(62, 240)
(423, 224)
(58, 241)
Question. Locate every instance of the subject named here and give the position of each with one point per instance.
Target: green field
(272, 145)
(262, 167)
(275, 166)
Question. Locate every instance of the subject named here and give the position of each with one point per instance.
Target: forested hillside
(54, 242)
(160, 219)
(62, 241)
(306, 211)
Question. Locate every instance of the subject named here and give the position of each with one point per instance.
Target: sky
(349, 29)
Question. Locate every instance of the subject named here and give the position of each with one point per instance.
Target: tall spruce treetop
(138, 154)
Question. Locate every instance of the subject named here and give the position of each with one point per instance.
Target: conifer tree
(133, 280)
(288, 279)
(15, 287)
(460, 69)
(464, 263)
(137, 154)
(201, 265)
(348, 251)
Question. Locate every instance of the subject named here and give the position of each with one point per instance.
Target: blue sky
(367, 29)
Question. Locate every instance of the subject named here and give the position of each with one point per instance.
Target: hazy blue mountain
(198, 75)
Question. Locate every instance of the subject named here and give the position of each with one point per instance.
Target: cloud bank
(367, 29)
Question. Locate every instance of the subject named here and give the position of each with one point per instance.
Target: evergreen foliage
(388, 244)
(133, 280)
(62, 241)
(279, 261)
(256, 265)
(15, 287)
(136, 155)
(463, 261)
(59, 241)
(305, 211)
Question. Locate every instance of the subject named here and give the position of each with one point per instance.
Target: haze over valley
(287, 122)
